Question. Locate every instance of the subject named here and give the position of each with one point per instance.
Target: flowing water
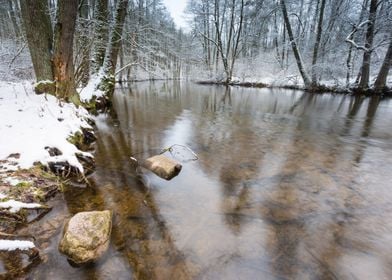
(288, 185)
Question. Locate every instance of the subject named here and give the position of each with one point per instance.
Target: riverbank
(322, 88)
(43, 143)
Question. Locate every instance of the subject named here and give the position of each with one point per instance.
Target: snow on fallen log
(162, 166)
(12, 245)
(14, 206)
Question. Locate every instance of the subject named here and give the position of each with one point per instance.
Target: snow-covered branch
(349, 38)
(125, 67)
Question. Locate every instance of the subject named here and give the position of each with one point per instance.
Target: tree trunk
(219, 38)
(38, 28)
(317, 43)
(381, 80)
(349, 63)
(237, 40)
(365, 74)
(113, 48)
(101, 16)
(115, 38)
(63, 67)
(84, 45)
(296, 52)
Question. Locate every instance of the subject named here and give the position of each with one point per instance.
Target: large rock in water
(86, 236)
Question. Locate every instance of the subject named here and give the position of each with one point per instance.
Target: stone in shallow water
(86, 236)
(162, 166)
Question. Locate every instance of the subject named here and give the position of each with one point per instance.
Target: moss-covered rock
(86, 236)
(45, 87)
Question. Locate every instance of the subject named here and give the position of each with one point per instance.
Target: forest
(337, 44)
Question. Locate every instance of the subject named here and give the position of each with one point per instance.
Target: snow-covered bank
(31, 125)
(91, 90)
(288, 83)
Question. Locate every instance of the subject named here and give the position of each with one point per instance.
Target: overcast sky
(176, 9)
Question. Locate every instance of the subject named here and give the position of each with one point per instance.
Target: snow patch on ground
(2, 196)
(12, 181)
(14, 205)
(91, 89)
(11, 245)
(31, 122)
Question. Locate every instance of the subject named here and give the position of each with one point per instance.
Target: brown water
(288, 185)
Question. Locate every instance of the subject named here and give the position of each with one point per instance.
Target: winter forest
(195, 139)
(310, 43)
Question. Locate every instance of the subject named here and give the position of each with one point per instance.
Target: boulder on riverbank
(86, 236)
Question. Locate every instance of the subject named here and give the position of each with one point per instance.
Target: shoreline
(387, 93)
(46, 145)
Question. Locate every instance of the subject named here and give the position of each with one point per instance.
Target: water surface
(288, 185)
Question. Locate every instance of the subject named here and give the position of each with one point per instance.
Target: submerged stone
(86, 236)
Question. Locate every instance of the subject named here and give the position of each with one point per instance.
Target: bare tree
(367, 54)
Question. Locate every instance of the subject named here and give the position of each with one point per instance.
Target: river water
(288, 185)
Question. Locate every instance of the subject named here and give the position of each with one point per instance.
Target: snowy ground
(91, 90)
(29, 125)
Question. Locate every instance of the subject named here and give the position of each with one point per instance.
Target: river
(288, 185)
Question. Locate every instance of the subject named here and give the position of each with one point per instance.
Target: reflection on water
(288, 185)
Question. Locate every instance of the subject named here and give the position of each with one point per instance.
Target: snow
(12, 181)
(2, 196)
(14, 206)
(42, 83)
(11, 245)
(31, 122)
(91, 89)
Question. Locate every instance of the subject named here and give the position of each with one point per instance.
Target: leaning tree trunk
(365, 74)
(63, 67)
(237, 40)
(317, 43)
(12, 14)
(296, 52)
(38, 28)
(381, 80)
